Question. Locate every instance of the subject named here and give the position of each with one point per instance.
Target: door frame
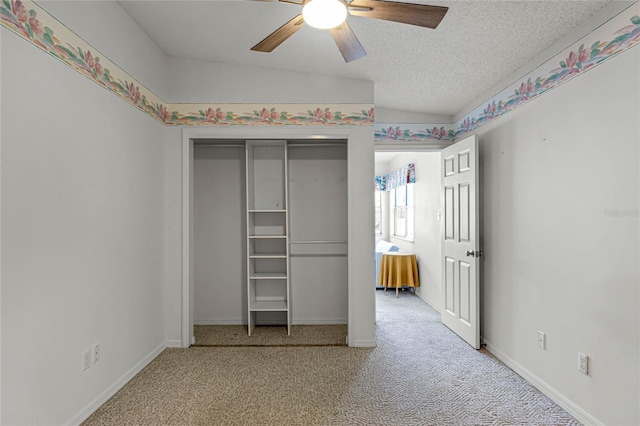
(404, 147)
(360, 173)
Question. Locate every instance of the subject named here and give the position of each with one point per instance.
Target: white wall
(173, 236)
(389, 115)
(360, 175)
(82, 238)
(554, 260)
(230, 83)
(428, 246)
(108, 28)
(426, 241)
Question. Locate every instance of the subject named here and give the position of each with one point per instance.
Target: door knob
(470, 253)
(474, 253)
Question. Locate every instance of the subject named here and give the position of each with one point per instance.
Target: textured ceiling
(477, 45)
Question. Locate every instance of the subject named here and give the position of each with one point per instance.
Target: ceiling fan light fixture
(324, 14)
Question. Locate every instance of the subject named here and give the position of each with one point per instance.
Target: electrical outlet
(96, 353)
(542, 340)
(86, 359)
(583, 363)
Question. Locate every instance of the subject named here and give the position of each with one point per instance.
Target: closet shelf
(268, 276)
(267, 231)
(268, 305)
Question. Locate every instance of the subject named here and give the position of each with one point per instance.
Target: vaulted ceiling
(477, 45)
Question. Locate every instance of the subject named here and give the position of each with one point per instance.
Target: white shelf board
(268, 256)
(267, 236)
(268, 305)
(268, 276)
(267, 211)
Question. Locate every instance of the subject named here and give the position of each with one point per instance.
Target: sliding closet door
(318, 232)
(219, 234)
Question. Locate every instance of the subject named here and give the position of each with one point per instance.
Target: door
(460, 272)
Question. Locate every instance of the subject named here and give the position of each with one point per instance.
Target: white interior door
(460, 273)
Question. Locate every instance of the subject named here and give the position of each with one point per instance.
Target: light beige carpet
(301, 335)
(419, 374)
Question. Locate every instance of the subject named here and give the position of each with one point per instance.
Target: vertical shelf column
(268, 287)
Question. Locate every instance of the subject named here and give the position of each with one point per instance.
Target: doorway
(420, 204)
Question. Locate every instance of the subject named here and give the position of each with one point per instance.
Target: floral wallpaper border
(34, 24)
(615, 36)
(26, 19)
(434, 132)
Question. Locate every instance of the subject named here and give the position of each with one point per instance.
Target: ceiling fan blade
(421, 15)
(278, 36)
(347, 42)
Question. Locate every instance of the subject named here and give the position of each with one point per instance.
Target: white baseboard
(429, 302)
(174, 343)
(311, 321)
(364, 344)
(218, 321)
(576, 411)
(115, 387)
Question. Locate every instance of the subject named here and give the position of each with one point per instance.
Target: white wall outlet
(583, 363)
(542, 340)
(86, 359)
(96, 353)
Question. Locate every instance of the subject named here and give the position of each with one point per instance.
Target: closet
(270, 232)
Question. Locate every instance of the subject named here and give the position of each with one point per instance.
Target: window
(403, 212)
(378, 211)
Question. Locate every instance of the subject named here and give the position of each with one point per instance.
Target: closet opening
(269, 234)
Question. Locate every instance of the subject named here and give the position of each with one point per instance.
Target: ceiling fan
(332, 14)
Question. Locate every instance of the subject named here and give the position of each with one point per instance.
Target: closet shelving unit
(268, 287)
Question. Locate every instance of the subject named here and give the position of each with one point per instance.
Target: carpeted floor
(419, 374)
(406, 308)
(301, 335)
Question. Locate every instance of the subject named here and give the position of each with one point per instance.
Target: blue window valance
(396, 179)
